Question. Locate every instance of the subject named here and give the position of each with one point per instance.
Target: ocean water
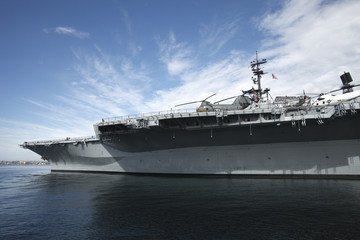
(37, 204)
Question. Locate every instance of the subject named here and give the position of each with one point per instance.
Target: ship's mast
(258, 72)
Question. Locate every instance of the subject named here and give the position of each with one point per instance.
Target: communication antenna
(258, 72)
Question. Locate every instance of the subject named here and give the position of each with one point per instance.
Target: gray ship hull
(311, 143)
(337, 158)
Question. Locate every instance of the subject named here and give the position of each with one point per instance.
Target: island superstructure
(290, 136)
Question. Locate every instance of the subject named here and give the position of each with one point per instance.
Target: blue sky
(65, 65)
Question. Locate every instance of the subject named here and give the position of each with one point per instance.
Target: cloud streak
(215, 36)
(110, 89)
(13, 132)
(221, 77)
(177, 56)
(312, 42)
(69, 31)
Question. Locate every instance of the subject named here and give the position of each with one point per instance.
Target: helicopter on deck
(348, 93)
(240, 102)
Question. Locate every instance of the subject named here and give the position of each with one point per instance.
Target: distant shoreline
(24, 163)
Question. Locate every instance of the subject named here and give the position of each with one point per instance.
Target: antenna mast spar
(258, 72)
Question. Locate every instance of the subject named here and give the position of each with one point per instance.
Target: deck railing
(65, 140)
(171, 111)
(150, 114)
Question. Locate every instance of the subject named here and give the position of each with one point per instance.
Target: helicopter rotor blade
(312, 94)
(334, 91)
(208, 97)
(195, 101)
(187, 103)
(225, 99)
(343, 88)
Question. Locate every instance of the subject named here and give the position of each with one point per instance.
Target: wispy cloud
(214, 36)
(13, 132)
(176, 55)
(70, 31)
(63, 116)
(224, 77)
(133, 47)
(126, 19)
(312, 42)
(113, 87)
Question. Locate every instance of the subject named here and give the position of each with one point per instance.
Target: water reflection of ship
(291, 136)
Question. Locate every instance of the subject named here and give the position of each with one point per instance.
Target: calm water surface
(37, 204)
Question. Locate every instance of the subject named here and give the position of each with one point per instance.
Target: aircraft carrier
(255, 136)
